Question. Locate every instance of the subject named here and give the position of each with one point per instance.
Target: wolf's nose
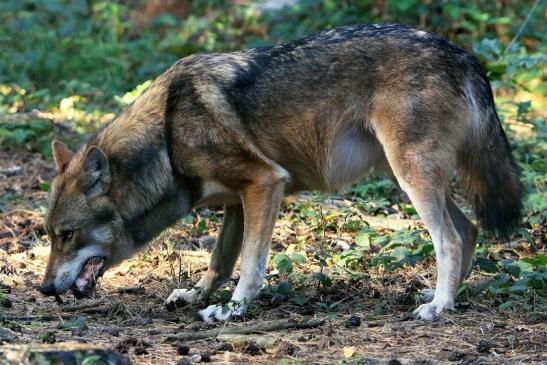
(47, 288)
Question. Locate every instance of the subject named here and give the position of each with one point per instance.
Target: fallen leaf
(348, 351)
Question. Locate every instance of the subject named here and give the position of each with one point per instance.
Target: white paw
(222, 312)
(427, 295)
(430, 311)
(188, 295)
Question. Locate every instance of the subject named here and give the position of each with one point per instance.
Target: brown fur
(244, 129)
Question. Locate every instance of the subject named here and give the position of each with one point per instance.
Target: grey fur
(246, 128)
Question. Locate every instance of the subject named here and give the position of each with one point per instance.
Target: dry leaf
(348, 351)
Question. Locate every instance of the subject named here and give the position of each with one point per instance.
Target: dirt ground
(127, 311)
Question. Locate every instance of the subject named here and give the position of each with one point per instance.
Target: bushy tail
(488, 170)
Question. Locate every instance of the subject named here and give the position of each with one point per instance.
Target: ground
(363, 316)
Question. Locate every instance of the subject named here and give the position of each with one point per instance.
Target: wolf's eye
(67, 235)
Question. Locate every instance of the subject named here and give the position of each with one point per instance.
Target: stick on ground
(272, 326)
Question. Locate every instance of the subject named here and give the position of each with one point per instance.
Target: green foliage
(462, 21)
(531, 155)
(91, 360)
(76, 322)
(58, 48)
(403, 247)
(515, 281)
(37, 133)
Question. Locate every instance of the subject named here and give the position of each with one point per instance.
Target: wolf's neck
(148, 195)
(146, 192)
(139, 162)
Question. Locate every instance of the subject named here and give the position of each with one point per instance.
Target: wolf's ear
(97, 172)
(61, 154)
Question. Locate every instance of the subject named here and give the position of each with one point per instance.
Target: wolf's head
(82, 221)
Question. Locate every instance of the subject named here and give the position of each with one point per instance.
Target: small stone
(170, 306)
(113, 331)
(307, 310)
(394, 362)
(140, 347)
(205, 357)
(369, 361)
(484, 346)
(131, 341)
(195, 358)
(194, 328)
(6, 303)
(455, 355)
(252, 349)
(140, 350)
(183, 362)
(122, 347)
(78, 332)
(143, 343)
(353, 321)
(207, 242)
(225, 346)
(182, 349)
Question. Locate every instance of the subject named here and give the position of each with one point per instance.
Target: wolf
(244, 129)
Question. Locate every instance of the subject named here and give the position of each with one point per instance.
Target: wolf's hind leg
(225, 254)
(421, 132)
(422, 173)
(468, 234)
(431, 207)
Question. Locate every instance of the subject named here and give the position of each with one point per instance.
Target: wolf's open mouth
(87, 279)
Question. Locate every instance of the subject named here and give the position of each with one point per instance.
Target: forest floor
(138, 323)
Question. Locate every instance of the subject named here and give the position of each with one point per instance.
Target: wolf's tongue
(87, 278)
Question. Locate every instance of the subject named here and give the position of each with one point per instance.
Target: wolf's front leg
(225, 254)
(261, 201)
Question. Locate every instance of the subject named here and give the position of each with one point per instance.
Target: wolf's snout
(47, 288)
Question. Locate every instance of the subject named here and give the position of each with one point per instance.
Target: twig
(81, 307)
(131, 289)
(281, 325)
(263, 341)
(34, 318)
(514, 39)
(222, 329)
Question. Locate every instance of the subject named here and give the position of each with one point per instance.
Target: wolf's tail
(488, 170)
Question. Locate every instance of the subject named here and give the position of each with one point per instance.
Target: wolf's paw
(222, 312)
(427, 295)
(188, 295)
(430, 311)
